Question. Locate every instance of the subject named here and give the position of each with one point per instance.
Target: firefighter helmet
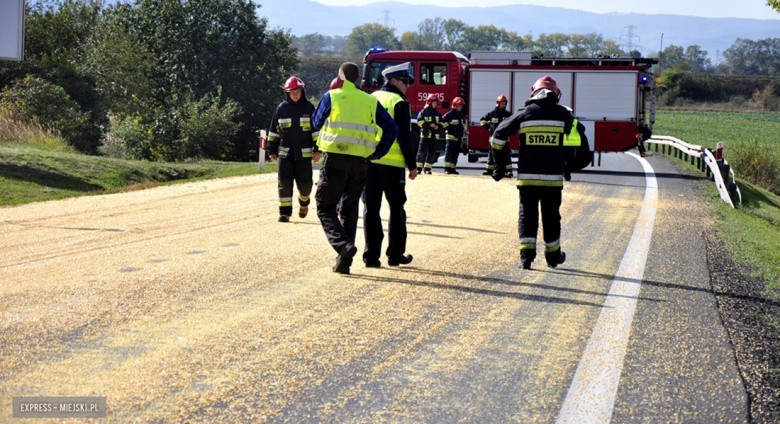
(431, 98)
(336, 83)
(457, 102)
(501, 98)
(546, 82)
(294, 83)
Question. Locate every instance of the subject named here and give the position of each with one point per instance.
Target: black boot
(555, 258)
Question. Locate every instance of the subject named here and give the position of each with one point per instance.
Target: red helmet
(294, 83)
(457, 102)
(431, 98)
(336, 83)
(502, 98)
(548, 83)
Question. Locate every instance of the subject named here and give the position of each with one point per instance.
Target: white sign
(11, 29)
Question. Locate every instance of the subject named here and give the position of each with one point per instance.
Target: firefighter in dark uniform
(293, 141)
(454, 128)
(349, 121)
(429, 121)
(386, 176)
(545, 127)
(489, 122)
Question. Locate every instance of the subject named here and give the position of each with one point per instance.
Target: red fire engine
(613, 97)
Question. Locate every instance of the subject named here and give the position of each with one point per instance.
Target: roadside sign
(11, 29)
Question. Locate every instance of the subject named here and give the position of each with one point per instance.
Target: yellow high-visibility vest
(351, 126)
(394, 156)
(573, 137)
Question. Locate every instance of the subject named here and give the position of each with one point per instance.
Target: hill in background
(711, 34)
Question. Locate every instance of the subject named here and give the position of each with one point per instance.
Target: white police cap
(398, 71)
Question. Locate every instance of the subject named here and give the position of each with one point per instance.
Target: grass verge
(29, 174)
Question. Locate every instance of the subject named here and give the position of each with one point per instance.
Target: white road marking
(591, 396)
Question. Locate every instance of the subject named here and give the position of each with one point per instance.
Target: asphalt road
(191, 303)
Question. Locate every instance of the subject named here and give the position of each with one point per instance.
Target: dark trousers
(389, 181)
(451, 152)
(426, 152)
(531, 197)
(504, 155)
(341, 183)
(298, 172)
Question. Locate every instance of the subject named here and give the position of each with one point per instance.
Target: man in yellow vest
(386, 176)
(349, 121)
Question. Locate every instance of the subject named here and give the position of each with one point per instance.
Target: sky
(754, 9)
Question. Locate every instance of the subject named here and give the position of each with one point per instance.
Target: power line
(630, 46)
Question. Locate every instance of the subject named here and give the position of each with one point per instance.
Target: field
(751, 140)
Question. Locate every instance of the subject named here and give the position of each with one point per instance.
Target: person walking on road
(544, 127)
(489, 122)
(386, 175)
(454, 129)
(429, 120)
(293, 141)
(349, 121)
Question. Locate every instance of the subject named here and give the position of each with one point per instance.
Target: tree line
(173, 79)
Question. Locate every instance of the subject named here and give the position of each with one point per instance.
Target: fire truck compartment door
(606, 96)
(526, 78)
(485, 86)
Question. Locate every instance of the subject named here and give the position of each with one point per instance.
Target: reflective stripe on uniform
(285, 122)
(497, 143)
(527, 242)
(553, 246)
(352, 126)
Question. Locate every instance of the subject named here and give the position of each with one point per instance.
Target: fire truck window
(374, 78)
(433, 74)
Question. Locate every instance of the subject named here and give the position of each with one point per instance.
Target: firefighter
(429, 121)
(544, 127)
(489, 122)
(454, 128)
(386, 176)
(293, 141)
(349, 121)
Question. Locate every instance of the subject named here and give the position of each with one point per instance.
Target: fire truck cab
(613, 97)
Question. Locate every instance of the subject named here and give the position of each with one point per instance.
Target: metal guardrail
(715, 166)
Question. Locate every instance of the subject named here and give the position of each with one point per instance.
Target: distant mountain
(711, 34)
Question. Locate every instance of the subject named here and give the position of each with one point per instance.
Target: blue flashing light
(376, 50)
(643, 79)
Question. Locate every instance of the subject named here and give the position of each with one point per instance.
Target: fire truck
(613, 97)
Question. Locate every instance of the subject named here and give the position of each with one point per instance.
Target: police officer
(349, 120)
(386, 175)
(540, 166)
(429, 120)
(292, 140)
(489, 122)
(454, 128)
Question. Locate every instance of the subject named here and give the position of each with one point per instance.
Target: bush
(34, 100)
(755, 164)
(208, 126)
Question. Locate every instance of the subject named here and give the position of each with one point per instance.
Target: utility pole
(660, 51)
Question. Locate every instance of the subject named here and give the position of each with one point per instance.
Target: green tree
(671, 56)
(748, 57)
(366, 36)
(697, 59)
(453, 32)
(774, 4)
(552, 45)
(186, 51)
(431, 33)
(483, 37)
(585, 45)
